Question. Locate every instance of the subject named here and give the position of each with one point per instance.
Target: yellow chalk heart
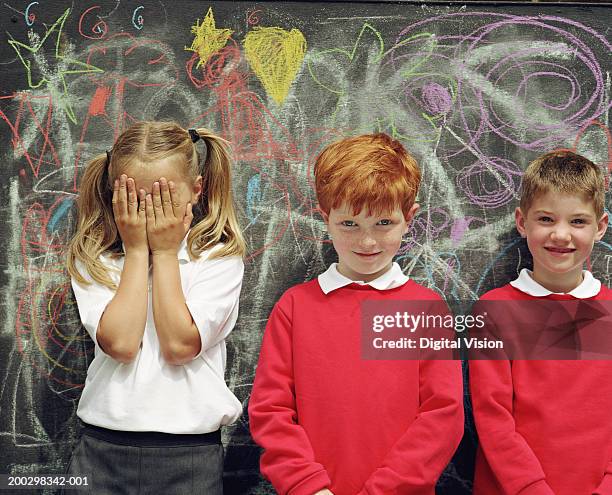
(275, 55)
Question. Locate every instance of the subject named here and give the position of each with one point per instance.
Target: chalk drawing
(474, 96)
(137, 17)
(98, 30)
(275, 55)
(65, 64)
(208, 39)
(30, 17)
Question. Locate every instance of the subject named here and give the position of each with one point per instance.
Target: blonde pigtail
(96, 230)
(220, 223)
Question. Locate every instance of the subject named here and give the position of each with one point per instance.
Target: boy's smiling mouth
(558, 250)
(367, 255)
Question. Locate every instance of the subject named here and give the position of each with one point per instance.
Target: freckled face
(366, 244)
(560, 230)
(170, 168)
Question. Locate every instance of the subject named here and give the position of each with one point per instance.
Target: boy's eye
(348, 223)
(579, 221)
(545, 219)
(385, 221)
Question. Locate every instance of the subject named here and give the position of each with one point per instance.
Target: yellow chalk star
(208, 39)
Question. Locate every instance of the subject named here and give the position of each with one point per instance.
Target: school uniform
(152, 427)
(326, 417)
(544, 427)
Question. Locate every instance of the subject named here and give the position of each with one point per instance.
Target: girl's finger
(122, 198)
(150, 214)
(173, 198)
(141, 205)
(115, 196)
(165, 198)
(132, 198)
(157, 203)
(188, 217)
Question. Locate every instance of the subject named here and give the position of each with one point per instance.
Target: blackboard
(473, 91)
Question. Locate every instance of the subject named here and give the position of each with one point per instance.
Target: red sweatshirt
(544, 427)
(328, 419)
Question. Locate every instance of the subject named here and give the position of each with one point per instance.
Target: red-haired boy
(329, 421)
(544, 427)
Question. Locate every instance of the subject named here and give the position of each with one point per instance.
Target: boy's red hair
(371, 170)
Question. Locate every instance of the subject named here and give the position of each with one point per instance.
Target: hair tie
(193, 134)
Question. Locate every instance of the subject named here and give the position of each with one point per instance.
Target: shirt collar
(589, 287)
(183, 252)
(332, 279)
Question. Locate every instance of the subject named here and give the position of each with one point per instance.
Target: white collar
(589, 287)
(332, 279)
(182, 254)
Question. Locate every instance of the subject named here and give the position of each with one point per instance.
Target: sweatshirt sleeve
(605, 487)
(416, 460)
(288, 458)
(511, 459)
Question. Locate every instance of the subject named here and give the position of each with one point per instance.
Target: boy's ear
(602, 226)
(410, 215)
(519, 219)
(323, 214)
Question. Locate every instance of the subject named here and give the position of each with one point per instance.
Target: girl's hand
(129, 217)
(166, 226)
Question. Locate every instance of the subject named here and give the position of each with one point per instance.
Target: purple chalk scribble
(490, 184)
(530, 81)
(436, 99)
(461, 226)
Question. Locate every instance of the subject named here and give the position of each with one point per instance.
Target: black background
(478, 92)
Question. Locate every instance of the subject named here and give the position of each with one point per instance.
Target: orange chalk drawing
(275, 55)
(208, 39)
(98, 101)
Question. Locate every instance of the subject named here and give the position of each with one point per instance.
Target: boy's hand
(166, 228)
(325, 491)
(129, 217)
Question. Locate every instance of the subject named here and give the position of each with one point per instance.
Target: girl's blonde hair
(214, 215)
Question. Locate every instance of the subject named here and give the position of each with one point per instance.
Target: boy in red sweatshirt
(545, 426)
(329, 421)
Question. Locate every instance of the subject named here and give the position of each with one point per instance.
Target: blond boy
(544, 426)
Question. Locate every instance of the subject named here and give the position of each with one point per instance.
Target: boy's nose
(561, 234)
(367, 241)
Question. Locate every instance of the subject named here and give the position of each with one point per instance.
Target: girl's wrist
(135, 252)
(163, 254)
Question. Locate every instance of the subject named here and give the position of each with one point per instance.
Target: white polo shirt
(149, 394)
(331, 279)
(589, 287)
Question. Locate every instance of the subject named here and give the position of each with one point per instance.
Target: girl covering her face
(156, 268)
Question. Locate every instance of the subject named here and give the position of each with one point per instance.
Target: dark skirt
(134, 463)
